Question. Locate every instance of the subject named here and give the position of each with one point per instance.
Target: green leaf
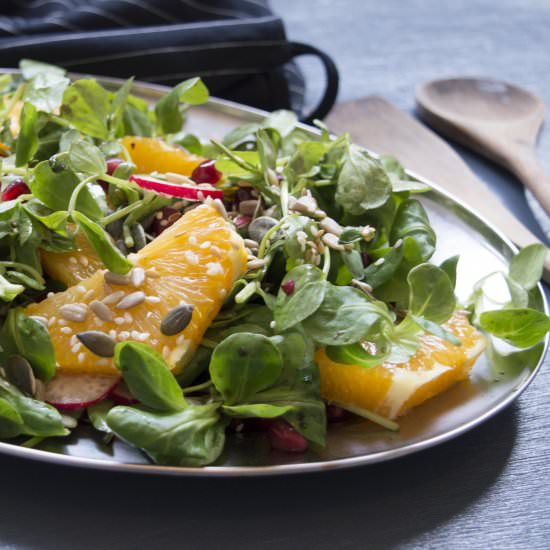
(86, 158)
(167, 109)
(527, 265)
(10, 420)
(45, 91)
(39, 419)
(431, 294)
(283, 121)
(192, 437)
(31, 68)
(136, 122)
(308, 294)
(345, 317)
(33, 342)
(411, 224)
(436, 330)
(86, 106)
(118, 106)
(256, 410)
(55, 187)
(356, 354)
(376, 274)
(244, 364)
(520, 327)
(148, 377)
(101, 242)
(98, 415)
(449, 267)
(27, 139)
(362, 183)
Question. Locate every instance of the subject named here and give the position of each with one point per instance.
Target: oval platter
(358, 442)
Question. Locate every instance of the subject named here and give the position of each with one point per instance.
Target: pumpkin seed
(98, 342)
(260, 226)
(20, 374)
(138, 234)
(131, 300)
(73, 312)
(101, 310)
(116, 279)
(176, 319)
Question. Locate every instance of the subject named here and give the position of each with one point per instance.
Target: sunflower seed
(98, 342)
(253, 245)
(176, 319)
(220, 207)
(137, 276)
(255, 264)
(116, 279)
(131, 300)
(113, 298)
(138, 234)
(20, 374)
(247, 208)
(101, 310)
(73, 312)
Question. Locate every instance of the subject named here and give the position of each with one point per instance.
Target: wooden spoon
(496, 119)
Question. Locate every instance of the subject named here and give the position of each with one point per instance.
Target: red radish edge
(182, 191)
(121, 395)
(69, 392)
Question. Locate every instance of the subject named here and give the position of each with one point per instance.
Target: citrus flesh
(150, 155)
(391, 390)
(195, 261)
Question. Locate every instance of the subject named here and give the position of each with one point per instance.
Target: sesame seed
(113, 333)
(73, 260)
(180, 339)
(81, 357)
(51, 321)
(76, 347)
(192, 240)
(152, 274)
(66, 330)
(152, 300)
(123, 335)
(81, 288)
(191, 257)
(49, 295)
(216, 251)
(149, 313)
(119, 320)
(62, 322)
(83, 260)
(128, 317)
(142, 336)
(137, 277)
(222, 293)
(88, 295)
(380, 261)
(165, 352)
(205, 244)
(74, 340)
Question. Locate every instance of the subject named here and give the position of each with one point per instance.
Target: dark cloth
(238, 47)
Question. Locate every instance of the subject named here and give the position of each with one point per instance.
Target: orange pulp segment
(391, 390)
(195, 261)
(154, 155)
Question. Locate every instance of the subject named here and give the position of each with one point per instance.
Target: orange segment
(195, 261)
(392, 389)
(150, 155)
(72, 267)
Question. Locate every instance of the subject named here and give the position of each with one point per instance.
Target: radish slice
(68, 392)
(180, 190)
(121, 395)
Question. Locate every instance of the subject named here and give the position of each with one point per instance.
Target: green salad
(338, 248)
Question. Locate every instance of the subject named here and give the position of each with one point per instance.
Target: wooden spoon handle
(530, 171)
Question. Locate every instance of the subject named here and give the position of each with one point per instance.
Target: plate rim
(234, 108)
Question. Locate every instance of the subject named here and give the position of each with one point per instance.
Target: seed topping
(176, 319)
(131, 300)
(98, 342)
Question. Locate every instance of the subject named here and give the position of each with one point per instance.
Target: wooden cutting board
(378, 125)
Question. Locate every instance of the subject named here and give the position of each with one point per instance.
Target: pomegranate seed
(206, 172)
(284, 437)
(169, 217)
(15, 189)
(242, 221)
(112, 165)
(288, 286)
(336, 414)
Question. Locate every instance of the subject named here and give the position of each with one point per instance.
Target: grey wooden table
(486, 489)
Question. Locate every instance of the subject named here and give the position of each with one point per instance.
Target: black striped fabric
(238, 47)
